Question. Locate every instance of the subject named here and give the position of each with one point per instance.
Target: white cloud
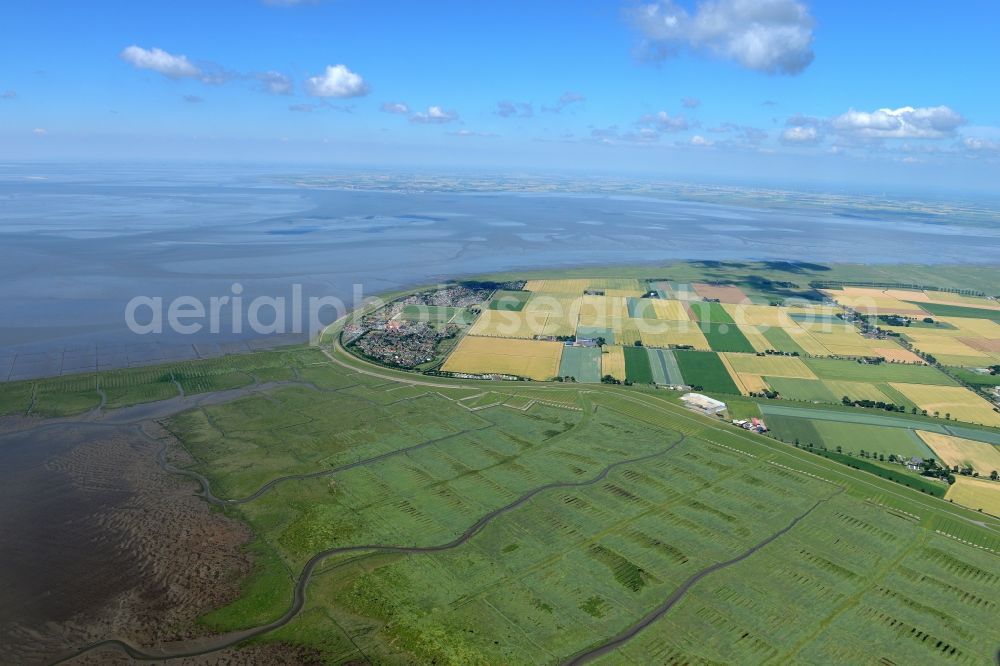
(665, 122)
(470, 133)
(337, 81)
(434, 114)
(8, 94)
(38, 131)
(275, 83)
(772, 36)
(395, 107)
(801, 135)
(566, 99)
(508, 109)
(907, 122)
(699, 140)
(981, 145)
(169, 65)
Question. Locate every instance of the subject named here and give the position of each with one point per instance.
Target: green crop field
(710, 312)
(725, 337)
(637, 368)
(664, 366)
(826, 368)
(975, 378)
(510, 301)
(641, 308)
(944, 310)
(706, 370)
(783, 341)
(812, 390)
(582, 363)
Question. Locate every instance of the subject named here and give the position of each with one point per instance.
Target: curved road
(214, 644)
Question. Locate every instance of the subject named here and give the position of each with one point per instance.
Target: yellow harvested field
(595, 310)
(579, 285)
(856, 390)
(563, 305)
(507, 324)
(960, 402)
(809, 344)
(526, 358)
(627, 330)
(624, 293)
(941, 345)
(667, 333)
(898, 355)
(772, 366)
(943, 297)
(982, 457)
(755, 337)
(872, 301)
(735, 375)
(759, 315)
(558, 286)
(613, 362)
(976, 494)
(670, 310)
(968, 327)
(755, 383)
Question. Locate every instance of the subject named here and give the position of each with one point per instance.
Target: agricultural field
(956, 401)
(958, 451)
(613, 362)
(664, 367)
(637, 366)
(976, 493)
(705, 370)
(534, 359)
(581, 363)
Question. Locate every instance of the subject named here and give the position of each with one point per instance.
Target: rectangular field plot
(942, 310)
(710, 312)
(664, 367)
(951, 451)
(525, 358)
(581, 363)
(781, 340)
(509, 300)
(726, 337)
(846, 370)
(771, 365)
(595, 332)
(637, 368)
(642, 308)
(670, 310)
(722, 293)
(809, 390)
(976, 494)
(514, 324)
(958, 401)
(673, 334)
(613, 362)
(705, 369)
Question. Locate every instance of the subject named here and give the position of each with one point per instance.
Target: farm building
(704, 404)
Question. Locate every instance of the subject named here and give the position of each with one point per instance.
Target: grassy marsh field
(401, 517)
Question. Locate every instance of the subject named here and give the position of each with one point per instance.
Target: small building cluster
(753, 425)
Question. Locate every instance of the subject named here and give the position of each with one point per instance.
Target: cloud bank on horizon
(661, 80)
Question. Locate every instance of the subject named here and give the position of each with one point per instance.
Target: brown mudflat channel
(99, 542)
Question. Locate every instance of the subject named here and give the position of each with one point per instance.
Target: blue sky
(874, 93)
